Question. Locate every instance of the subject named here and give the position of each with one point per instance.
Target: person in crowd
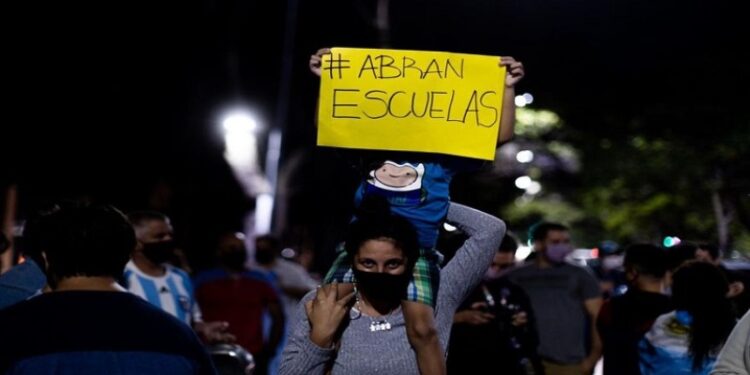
(293, 279)
(364, 332)
(149, 276)
(26, 279)
(565, 299)
(734, 358)
(688, 339)
(623, 320)
(87, 323)
(710, 253)
(494, 329)
(609, 270)
(233, 293)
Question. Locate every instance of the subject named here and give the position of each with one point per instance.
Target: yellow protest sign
(435, 102)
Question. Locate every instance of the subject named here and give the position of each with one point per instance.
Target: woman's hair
(700, 289)
(374, 220)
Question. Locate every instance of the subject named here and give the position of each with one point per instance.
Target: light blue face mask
(556, 253)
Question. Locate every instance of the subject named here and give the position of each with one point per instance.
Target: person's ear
(631, 275)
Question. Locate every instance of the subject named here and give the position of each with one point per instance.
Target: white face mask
(612, 262)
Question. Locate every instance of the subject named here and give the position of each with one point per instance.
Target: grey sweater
(388, 352)
(734, 358)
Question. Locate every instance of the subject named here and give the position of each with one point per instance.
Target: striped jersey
(172, 292)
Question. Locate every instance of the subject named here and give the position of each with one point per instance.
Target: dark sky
(106, 99)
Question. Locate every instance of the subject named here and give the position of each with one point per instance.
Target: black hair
(84, 240)
(538, 232)
(646, 259)
(273, 242)
(34, 230)
(700, 289)
(375, 221)
(138, 218)
(509, 245)
(712, 250)
(679, 254)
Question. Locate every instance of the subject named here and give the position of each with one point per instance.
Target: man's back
(292, 275)
(622, 323)
(90, 332)
(557, 297)
(239, 300)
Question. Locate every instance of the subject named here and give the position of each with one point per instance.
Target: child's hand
(317, 59)
(514, 70)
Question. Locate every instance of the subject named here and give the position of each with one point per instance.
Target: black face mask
(234, 259)
(382, 286)
(264, 256)
(158, 252)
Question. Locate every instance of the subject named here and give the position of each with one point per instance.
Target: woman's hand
(326, 312)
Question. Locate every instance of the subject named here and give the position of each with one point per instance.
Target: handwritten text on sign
(435, 102)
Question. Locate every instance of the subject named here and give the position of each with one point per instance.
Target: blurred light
(670, 241)
(240, 142)
(449, 228)
(534, 188)
(523, 182)
(523, 252)
(263, 211)
(520, 101)
(288, 253)
(241, 149)
(595, 253)
(528, 98)
(240, 235)
(525, 156)
(239, 121)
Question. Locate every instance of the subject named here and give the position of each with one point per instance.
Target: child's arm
(514, 73)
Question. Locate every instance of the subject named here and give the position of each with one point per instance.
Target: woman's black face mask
(382, 286)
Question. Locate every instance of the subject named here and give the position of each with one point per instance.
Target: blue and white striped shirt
(172, 292)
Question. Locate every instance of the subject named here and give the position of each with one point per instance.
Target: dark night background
(118, 101)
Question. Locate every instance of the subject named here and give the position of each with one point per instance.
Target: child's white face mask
(397, 177)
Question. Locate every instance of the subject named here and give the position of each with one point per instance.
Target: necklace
(376, 325)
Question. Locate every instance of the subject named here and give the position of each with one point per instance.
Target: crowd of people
(100, 291)
(89, 270)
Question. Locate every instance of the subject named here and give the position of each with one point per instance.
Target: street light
(524, 100)
(523, 182)
(525, 156)
(240, 127)
(239, 138)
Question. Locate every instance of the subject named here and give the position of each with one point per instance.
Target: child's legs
(341, 273)
(419, 314)
(341, 269)
(423, 336)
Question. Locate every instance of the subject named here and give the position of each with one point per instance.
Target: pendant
(379, 326)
